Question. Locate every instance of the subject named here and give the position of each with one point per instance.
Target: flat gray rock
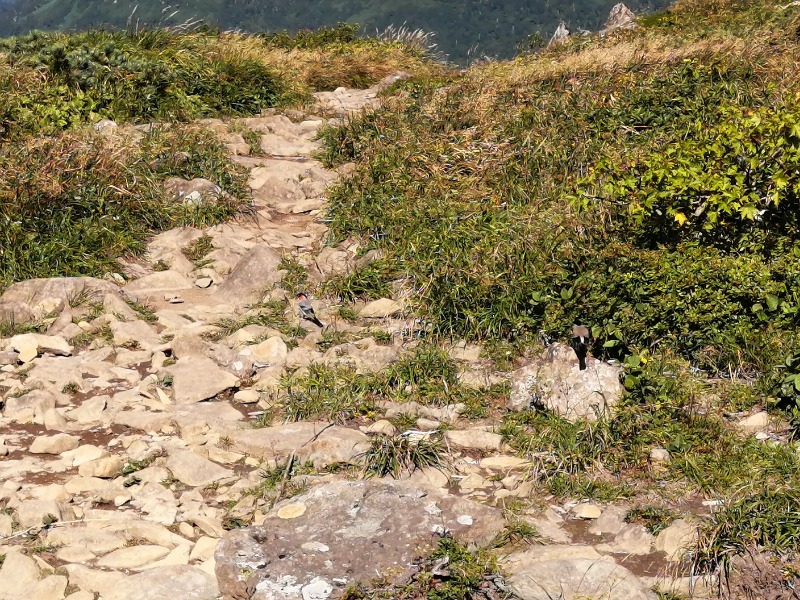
(318, 544)
(198, 378)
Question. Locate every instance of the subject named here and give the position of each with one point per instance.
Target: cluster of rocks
(127, 446)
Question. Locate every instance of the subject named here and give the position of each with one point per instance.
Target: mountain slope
(482, 27)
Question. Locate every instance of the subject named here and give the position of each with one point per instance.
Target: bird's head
(301, 296)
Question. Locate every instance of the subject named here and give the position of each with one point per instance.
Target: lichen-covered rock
(341, 533)
(556, 383)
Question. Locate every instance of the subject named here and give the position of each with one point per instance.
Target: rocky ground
(135, 433)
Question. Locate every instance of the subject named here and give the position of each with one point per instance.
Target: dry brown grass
(309, 70)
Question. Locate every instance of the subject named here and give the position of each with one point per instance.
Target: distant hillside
(471, 27)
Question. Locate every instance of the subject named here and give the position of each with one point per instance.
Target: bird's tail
(316, 322)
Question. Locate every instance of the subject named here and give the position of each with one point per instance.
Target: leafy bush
(717, 184)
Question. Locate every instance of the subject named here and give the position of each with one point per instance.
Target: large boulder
(342, 533)
(556, 383)
(256, 272)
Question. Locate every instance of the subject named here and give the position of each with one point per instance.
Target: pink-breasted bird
(307, 311)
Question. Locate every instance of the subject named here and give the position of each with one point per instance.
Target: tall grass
(71, 204)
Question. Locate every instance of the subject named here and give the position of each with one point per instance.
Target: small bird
(307, 311)
(581, 340)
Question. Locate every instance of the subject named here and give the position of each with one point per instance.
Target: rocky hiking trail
(135, 435)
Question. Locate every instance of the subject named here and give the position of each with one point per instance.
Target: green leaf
(772, 302)
(611, 344)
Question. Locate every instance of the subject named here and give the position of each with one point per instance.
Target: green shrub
(139, 77)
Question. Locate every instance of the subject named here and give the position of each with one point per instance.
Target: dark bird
(581, 340)
(307, 311)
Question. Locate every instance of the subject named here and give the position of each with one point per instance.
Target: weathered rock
(174, 582)
(18, 575)
(30, 407)
(196, 191)
(477, 439)
(103, 468)
(337, 445)
(278, 441)
(256, 271)
(631, 539)
(676, 539)
(159, 282)
(754, 423)
(586, 510)
(620, 17)
(379, 309)
(382, 427)
(30, 345)
(8, 358)
(55, 444)
(272, 351)
(195, 379)
(556, 383)
(660, 455)
(328, 537)
(137, 333)
(504, 463)
(35, 298)
(95, 540)
(560, 35)
(574, 579)
(133, 557)
(191, 469)
(32, 513)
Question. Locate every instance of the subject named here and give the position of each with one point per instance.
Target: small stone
(247, 396)
(660, 455)
(104, 468)
(382, 427)
(504, 463)
(587, 510)
(754, 423)
(204, 282)
(55, 444)
(676, 539)
(380, 309)
(474, 438)
(428, 424)
(291, 511)
(271, 352)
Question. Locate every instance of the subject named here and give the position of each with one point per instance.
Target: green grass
(337, 395)
(198, 249)
(755, 519)
(72, 204)
(395, 456)
(465, 572)
(653, 518)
